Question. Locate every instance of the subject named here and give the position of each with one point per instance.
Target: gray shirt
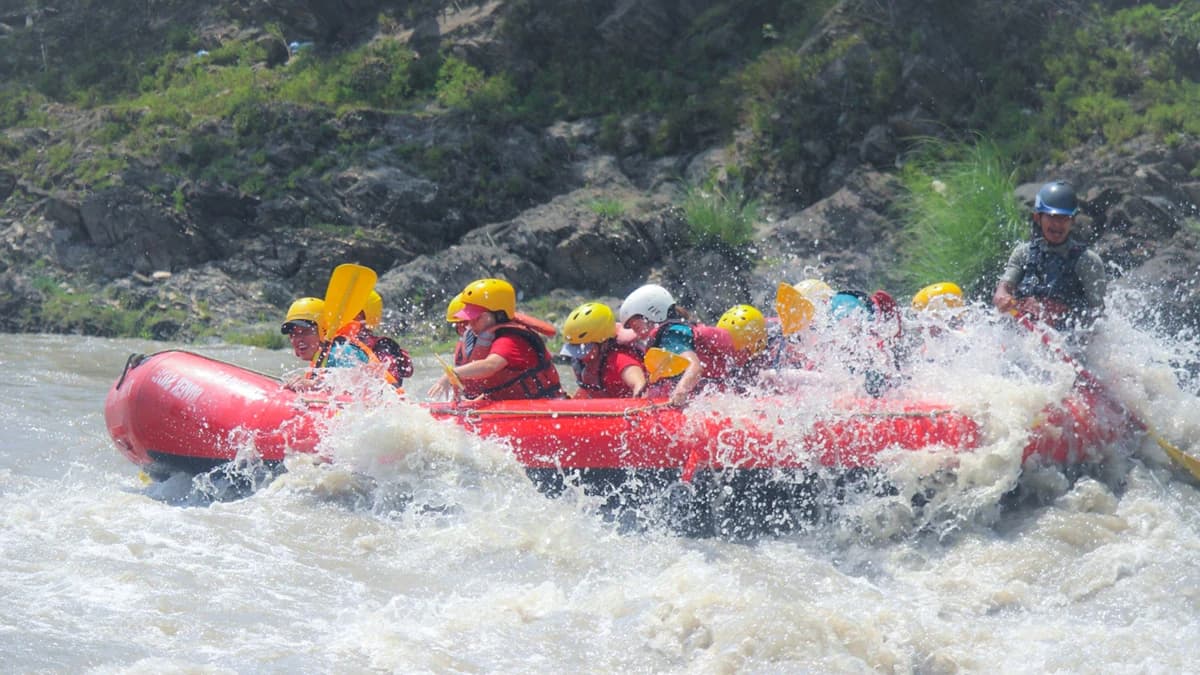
(1089, 268)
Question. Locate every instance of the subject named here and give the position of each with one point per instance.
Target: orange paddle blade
(795, 311)
(661, 363)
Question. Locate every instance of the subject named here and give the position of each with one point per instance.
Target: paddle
(1189, 463)
(795, 311)
(662, 364)
(349, 287)
(346, 295)
(455, 381)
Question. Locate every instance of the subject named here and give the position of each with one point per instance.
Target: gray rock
(847, 238)
(390, 197)
(878, 148)
(8, 183)
(134, 234)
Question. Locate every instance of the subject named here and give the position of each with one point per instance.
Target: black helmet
(1056, 198)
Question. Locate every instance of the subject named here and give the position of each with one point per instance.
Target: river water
(422, 549)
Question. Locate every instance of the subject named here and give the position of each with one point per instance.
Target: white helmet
(814, 290)
(651, 301)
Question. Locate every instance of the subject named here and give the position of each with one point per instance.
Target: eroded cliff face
(111, 199)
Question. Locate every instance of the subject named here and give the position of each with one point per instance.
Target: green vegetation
(461, 86)
(1115, 75)
(752, 68)
(66, 310)
(608, 208)
(960, 214)
(266, 339)
(777, 81)
(720, 216)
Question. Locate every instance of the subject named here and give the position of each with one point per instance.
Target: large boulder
(848, 238)
(390, 196)
(132, 231)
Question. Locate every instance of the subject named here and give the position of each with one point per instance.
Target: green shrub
(266, 339)
(462, 86)
(720, 216)
(959, 214)
(1122, 74)
(608, 208)
(21, 106)
(69, 311)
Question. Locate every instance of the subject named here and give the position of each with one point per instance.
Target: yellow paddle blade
(349, 287)
(661, 363)
(1191, 464)
(795, 311)
(450, 374)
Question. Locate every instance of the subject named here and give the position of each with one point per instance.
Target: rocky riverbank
(120, 214)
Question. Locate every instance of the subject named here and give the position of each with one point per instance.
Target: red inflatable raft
(176, 411)
(179, 411)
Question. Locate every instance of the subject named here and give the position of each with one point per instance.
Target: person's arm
(634, 377)
(440, 389)
(486, 367)
(689, 379)
(474, 370)
(1090, 270)
(1004, 298)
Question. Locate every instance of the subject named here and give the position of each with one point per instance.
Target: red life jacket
(460, 347)
(510, 383)
(591, 374)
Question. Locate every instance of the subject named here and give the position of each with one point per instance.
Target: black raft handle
(132, 362)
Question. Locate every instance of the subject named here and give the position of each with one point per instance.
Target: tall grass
(720, 216)
(960, 214)
(608, 208)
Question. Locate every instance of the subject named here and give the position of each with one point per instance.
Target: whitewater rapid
(420, 548)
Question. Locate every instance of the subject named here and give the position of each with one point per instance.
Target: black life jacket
(1048, 275)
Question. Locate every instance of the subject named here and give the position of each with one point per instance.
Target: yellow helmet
(495, 295)
(590, 322)
(814, 290)
(942, 295)
(373, 310)
(747, 326)
(304, 309)
(455, 306)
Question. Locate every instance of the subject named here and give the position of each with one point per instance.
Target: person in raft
(792, 351)
(395, 359)
(461, 326)
(755, 348)
(304, 326)
(1053, 277)
(604, 368)
(651, 313)
(505, 358)
(941, 305)
(301, 325)
(867, 336)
